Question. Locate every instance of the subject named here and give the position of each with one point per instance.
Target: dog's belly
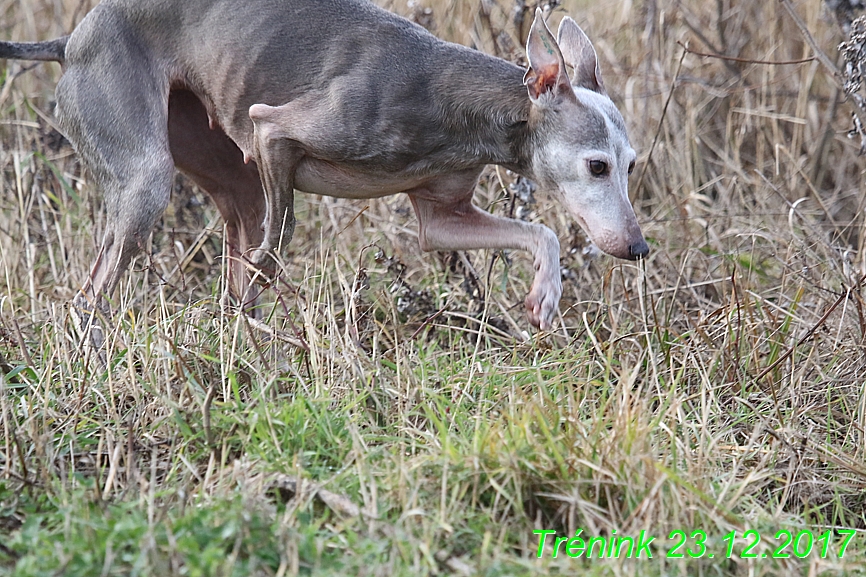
(322, 177)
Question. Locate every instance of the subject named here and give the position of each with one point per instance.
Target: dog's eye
(631, 167)
(598, 167)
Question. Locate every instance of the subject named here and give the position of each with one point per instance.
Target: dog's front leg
(461, 225)
(277, 157)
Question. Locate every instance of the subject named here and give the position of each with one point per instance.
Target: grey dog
(256, 99)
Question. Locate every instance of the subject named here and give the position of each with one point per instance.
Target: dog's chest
(317, 176)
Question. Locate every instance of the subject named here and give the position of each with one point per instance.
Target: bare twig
(746, 60)
(337, 503)
(810, 40)
(811, 331)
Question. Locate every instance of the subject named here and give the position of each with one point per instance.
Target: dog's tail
(51, 50)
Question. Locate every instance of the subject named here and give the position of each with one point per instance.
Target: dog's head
(581, 150)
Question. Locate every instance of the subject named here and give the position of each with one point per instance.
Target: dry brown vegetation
(718, 386)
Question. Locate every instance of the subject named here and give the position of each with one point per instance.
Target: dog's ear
(547, 75)
(579, 53)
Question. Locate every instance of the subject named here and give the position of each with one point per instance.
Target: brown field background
(747, 188)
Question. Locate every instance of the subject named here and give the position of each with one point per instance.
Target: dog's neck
(487, 110)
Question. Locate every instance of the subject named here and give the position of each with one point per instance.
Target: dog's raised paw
(542, 302)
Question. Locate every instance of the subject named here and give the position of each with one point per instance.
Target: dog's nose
(639, 249)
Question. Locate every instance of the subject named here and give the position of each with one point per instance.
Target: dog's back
(369, 65)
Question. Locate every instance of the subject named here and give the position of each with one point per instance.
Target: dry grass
(719, 387)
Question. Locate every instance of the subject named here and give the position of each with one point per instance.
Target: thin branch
(810, 40)
(846, 294)
(857, 112)
(746, 60)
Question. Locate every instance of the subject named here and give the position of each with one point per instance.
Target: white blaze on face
(587, 160)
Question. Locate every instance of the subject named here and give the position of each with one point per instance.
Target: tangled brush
(854, 54)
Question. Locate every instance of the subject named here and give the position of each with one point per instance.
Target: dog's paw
(542, 302)
(263, 260)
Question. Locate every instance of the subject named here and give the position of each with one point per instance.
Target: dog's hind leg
(115, 112)
(215, 163)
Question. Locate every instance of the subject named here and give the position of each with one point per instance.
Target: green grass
(394, 413)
